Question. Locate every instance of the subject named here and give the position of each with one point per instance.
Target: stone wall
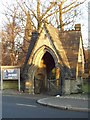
(72, 86)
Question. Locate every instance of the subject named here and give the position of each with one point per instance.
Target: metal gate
(53, 88)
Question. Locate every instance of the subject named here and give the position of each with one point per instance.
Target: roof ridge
(60, 56)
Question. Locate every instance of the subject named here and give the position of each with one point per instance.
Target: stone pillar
(67, 86)
(58, 77)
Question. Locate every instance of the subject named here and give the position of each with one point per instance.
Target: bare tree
(65, 10)
(28, 15)
(10, 31)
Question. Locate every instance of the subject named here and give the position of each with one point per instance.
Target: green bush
(86, 87)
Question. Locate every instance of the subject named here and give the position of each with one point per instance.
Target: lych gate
(52, 61)
(47, 73)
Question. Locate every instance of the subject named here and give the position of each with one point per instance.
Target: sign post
(19, 80)
(10, 73)
(1, 80)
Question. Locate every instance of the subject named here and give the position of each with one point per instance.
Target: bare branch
(74, 6)
(48, 9)
(24, 10)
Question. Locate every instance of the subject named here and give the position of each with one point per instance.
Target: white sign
(10, 74)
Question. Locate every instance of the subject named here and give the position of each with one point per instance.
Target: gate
(53, 87)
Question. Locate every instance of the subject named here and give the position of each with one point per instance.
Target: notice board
(10, 73)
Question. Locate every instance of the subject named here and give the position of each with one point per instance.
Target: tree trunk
(60, 17)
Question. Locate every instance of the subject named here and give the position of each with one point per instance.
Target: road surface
(26, 107)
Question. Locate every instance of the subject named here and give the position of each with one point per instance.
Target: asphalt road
(26, 107)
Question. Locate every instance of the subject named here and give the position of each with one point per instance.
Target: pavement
(76, 102)
(67, 102)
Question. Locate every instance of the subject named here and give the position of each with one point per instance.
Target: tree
(5, 51)
(62, 11)
(28, 32)
(28, 16)
(68, 11)
(9, 34)
(87, 63)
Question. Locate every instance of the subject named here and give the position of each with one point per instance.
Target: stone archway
(49, 63)
(45, 60)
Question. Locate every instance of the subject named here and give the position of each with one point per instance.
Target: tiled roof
(67, 45)
(31, 46)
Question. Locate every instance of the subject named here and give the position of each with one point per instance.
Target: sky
(2, 8)
(83, 21)
(89, 25)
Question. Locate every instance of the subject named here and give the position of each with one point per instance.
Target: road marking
(26, 105)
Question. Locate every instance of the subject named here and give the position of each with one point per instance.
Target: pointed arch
(40, 53)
